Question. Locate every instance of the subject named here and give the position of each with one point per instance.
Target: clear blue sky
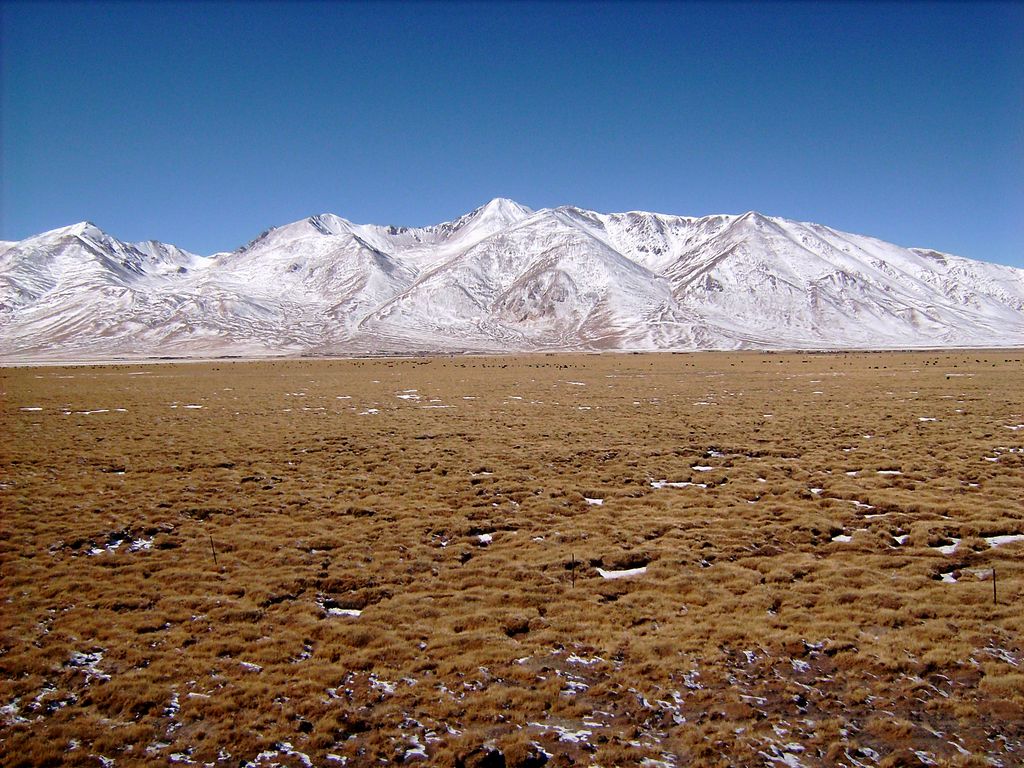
(202, 124)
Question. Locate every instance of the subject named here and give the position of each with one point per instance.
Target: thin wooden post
(214, 550)
(995, 599)
(574, 570)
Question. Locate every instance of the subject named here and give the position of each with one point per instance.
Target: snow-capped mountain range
(501, 278)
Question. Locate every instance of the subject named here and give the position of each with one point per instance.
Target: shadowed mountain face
(501, 278)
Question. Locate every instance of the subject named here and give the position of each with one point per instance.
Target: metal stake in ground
(214, 550)
(995, 600)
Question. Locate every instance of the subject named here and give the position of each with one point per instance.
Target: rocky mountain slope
(501, 278)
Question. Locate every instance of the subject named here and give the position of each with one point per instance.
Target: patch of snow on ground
(949, 549)
(889, 472)
(416, 749)
(867, 752)
(684, 484)
(574, 685)
(9, 712)
(565, 734)
(280, 748)
(690, 680)
(1002, 654)
(331, 608)
(998, 541)
(787, 754)
(575, 659)
(842, 538)
(384, 686)
(485, 538)
(623, 574)
(89, 663)
(174, 707)
(593, 502)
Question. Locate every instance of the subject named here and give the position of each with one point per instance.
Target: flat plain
(670, 559)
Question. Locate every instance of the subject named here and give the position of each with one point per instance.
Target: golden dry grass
(446, 500)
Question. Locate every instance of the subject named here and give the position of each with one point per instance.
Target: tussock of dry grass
(309, 564)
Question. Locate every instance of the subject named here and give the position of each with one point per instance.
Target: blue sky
(204, 123)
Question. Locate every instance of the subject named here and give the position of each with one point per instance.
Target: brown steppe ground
(389, 561)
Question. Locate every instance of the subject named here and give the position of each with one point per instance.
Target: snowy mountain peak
(498, 212)
(330, 224)
(324, 224)
(756, 219)
(81, 229)
(505, 208)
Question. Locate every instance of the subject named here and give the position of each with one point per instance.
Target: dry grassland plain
(699, 559)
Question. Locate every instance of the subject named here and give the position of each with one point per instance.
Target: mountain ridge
(501, 278)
